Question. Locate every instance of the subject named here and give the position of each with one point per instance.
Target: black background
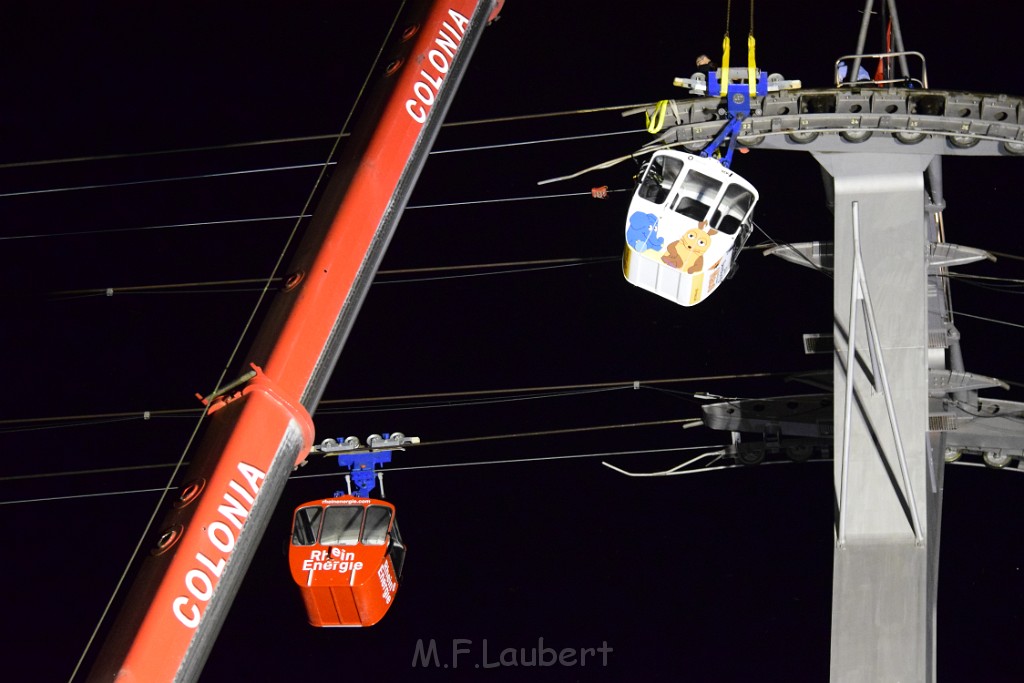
(724, 576)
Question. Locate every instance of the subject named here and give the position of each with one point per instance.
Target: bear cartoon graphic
(642, 233)
(687, 253)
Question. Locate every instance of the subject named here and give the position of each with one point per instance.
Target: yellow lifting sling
(751, 59)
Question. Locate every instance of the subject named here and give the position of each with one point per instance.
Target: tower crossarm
(862, 119)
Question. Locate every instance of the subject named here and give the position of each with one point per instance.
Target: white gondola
(688, 220)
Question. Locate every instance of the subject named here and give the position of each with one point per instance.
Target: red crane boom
(258, 432)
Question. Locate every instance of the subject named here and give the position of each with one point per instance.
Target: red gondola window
(342, 525)
(307, 525)
(378, 519)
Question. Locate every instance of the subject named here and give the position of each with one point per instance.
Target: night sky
(722, 576)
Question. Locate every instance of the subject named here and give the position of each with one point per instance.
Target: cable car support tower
(902, 401)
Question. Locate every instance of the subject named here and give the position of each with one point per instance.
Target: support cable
(451, 397)
(1003, 285)
(165, 226)
(565, 263)
(443, 442)
(239, 284)
(277, 169)
(1005, 255)
(988, 320)
(575, 456)
(558, 387)
(1012, 285)
(812, 264)
(512, 461)
(542, 141)
(270, 169)
(233, 221)
(509, 199)
(301, 138)
(172, 179)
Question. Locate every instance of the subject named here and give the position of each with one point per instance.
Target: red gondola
(346, 555)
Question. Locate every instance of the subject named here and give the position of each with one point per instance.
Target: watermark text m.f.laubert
(481, 655)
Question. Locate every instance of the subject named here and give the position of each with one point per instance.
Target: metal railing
(854, 68)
